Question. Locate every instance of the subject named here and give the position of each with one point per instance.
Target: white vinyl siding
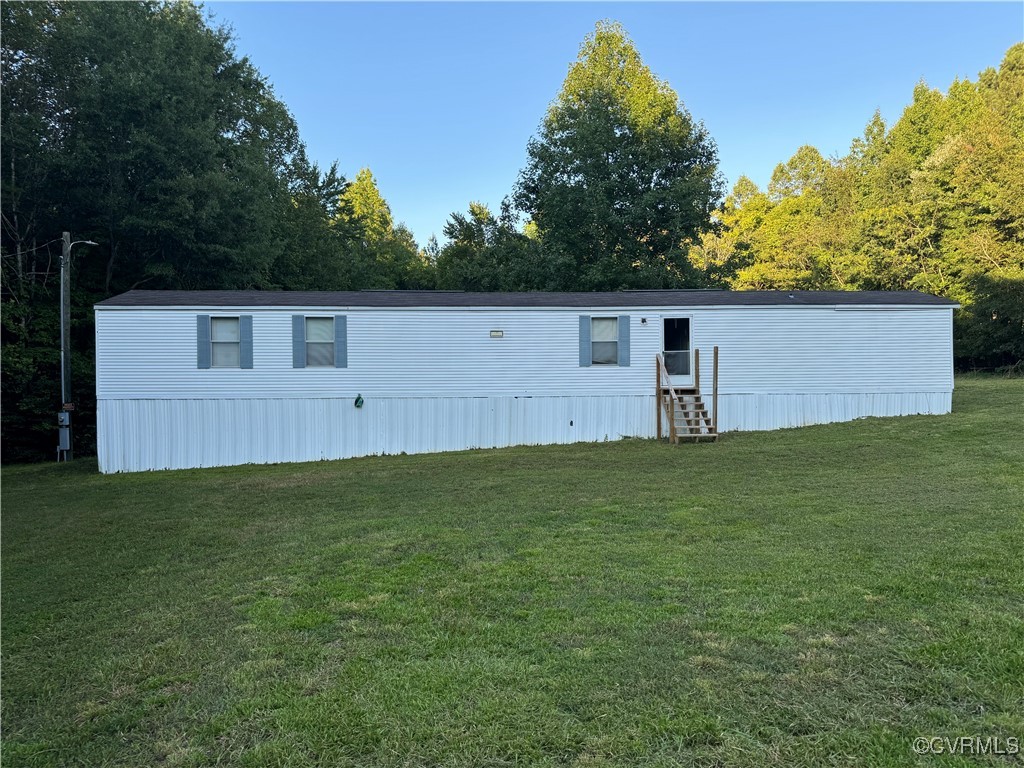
(823, 350)
(390, 352)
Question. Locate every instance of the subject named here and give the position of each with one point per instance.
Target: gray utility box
(63, 431)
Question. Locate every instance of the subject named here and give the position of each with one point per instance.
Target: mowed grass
(811, 597)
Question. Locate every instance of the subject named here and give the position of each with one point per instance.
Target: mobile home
(213, 378)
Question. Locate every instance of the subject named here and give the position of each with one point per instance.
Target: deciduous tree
(620, 176)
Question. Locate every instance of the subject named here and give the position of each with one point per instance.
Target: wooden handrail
(671, 401)
(667, 398)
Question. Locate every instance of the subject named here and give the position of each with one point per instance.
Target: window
(225, 343)
(319, 342)
(604, 340)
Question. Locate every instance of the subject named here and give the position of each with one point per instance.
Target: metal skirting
(137, 435)
(754, 412)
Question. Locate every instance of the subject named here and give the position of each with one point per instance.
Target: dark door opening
(677, 346)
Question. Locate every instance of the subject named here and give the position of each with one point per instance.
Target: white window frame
(237, 343)
(615, 318)
(307, 342)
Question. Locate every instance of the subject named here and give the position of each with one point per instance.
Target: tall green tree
(387, 253)
(797, 234)
(160, 143)
(323, 248)
(485, 252)
(620, 176)
(135, 125)
(934, 203)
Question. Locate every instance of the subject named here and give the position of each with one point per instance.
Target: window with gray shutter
(319, 342)
(604, 340)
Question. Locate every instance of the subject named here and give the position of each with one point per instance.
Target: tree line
(934, 203)
(139, 126)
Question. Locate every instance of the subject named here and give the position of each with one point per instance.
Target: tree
(363, 205)
(804, 172)
(620, 177)
(322, 247)
(934, 203)
(990, 328)
(795, 236)
(388, 256)
(719, 254)
(137, 126)
(488, 253)
(164, 146)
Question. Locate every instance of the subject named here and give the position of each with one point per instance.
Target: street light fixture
(64, 417)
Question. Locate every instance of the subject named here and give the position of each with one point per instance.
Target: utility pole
(66, 404)
(64, 420)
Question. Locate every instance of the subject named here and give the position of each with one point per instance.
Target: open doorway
(677, 345)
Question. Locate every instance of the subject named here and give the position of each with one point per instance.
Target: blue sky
(440, 99)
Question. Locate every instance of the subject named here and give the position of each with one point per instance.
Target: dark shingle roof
(410, 299)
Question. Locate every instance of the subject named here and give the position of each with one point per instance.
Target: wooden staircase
(691, 419)
(683, 408)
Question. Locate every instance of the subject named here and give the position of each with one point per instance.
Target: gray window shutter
(624, 340)
(202, 341)
(585, 350)
(340, 341)
(298, 341)
(245, 337)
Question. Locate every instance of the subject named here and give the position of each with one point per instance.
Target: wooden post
(672, 421)
(696, 370)
(714, 394)
(657, 391)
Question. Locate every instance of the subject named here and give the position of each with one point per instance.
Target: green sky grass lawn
(818, 596)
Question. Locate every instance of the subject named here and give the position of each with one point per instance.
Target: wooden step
(710, 437)
(679, 419)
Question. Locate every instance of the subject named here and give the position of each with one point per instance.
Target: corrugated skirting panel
(136, 435)
(753, 412)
